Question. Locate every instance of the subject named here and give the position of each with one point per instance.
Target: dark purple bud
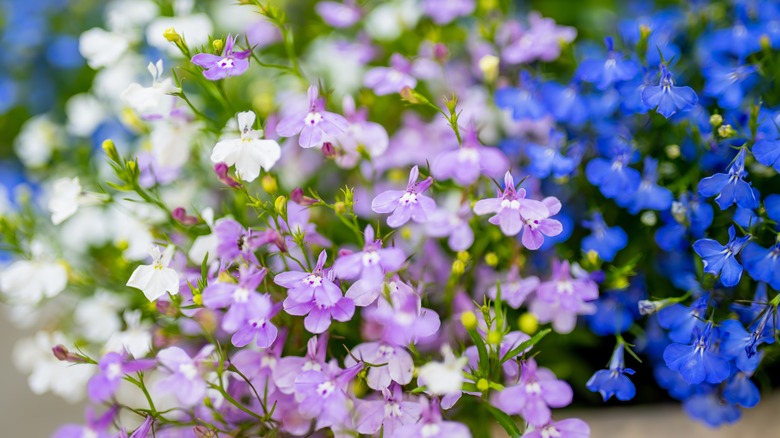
(344, 252)
(180, 214)
(165, 308)
(328, 150)
(440, 52)
(221, 169)
(62, 353)
(201, 431)
(299, 198)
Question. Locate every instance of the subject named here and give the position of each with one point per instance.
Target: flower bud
(491, 259)
(180, 215)
(458, 268)
(409, 95)
(483, 385)
(221, 169)
(765, 42)
(592, 256)
(716, 120)
(440, 52)
(110, 149)
(171, 35)
(672, 151)
(528, 323)
(299, 198)
(494, 337)
(202, 431)
(488, 65)
(644, 31)
(726, 131)
(280, 203)
(218, 44)
(469, 320)
(328, 150)
(268, 182)
(62, 353)
(340, 207)
(648, 218)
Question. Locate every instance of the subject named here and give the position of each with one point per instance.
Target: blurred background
(41, 69)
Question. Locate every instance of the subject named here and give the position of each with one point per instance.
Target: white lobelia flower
(68, 197)
(154, 100)
(85, 113)
(248, 153)
(37, 140)
(97, 317)
(29, 281)
(156, 279)
(205, 245)
(442, 378)
(136, 339)
(101, 48)
(33, 356)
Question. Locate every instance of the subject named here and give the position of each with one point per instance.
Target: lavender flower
(444, 11)
(515, 289)
(229, 64)
(96, 427)
(314, 124)
(407, 204)
(288, 368)
(371, 264)
(432, 425)
(112, 367)
(399, 364)
(465, 164)
(403, 319)
(537, 391)
(184, 374)
(337, 14)
(388, 414)
(454, 226)
(316, 296)
(568, 428)
(322, 395)
(389, 80)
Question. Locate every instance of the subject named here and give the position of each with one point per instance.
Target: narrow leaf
(524, 345)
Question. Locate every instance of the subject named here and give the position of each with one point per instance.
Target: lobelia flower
(389, 414)
(399, 364)
(444, 11)
(30, 281)
(362, 136)
(546, 160)
(234, 241)
(141, 432)
(315, 295)
(535, 393)
(731, 187)
(736, 343)
(155, 100)
(371, 264)
(443, 378)
(682, 321)
(515, 289)
(136, 339)
(543, 41)
(728, 83)
(471, 159)
(613, 176)
(710, 408)
(156, 279)
(513, 210)
(184, 374)
(259, 366)
(402, 318)
(568, 428)
(666, 98)
(605, 241)
(249, 313)
(339, 15)
(96, 427)
(569, 292)
(228, 64)
(613, 381)
(524, 101)
(288, 368)
(766, 148)
(609, 71)
(406, 204)
(432, 425)
(649, 195)
(454, 226)
(389, 80)
(699, 361)
(740, 390)
(248, 153)
(762, 263)
(721, 260)
(67, 198)
(323, 394)
(565, 103)
(112, 368)
(314, 124)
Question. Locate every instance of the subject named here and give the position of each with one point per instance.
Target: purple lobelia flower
(570, 292)
(513, 211)
(432, 425)
(399, 364)
(235, 241)
(259, 366)
(96, 427)
(699, 361)
(362, 136)
(323, 394)
(721, 260)
(229, 64)
(364, 294)
(389, 80)
(568, 428)
(455, 226)
(406, 204)
(543, 41)
(444, 11)
(184, 374)
(388, 414)
(466, 163)
(288, 368)
(666, 98)
(141, 432)
(111, 369)
(371, 264)
(249, 312)
(315, 295)
(536, 392)
(314, 124)
(403, 319)
(515, 289)
(614, 380)
(339, 14)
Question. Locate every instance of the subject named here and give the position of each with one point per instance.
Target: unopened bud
(171, 35)
(340, 207)
(483, 385)
(458, 268)
(672, 151)
(647, 307)
(440, 52)
(110, 148)
(217, 45)
(280, 203)
(765, 42)
(494, 337)
(726, 131)
(468, 319)
(299, 198)
(488, 65)
(528, 323)
(592, 256)
(409, 95)
(202, 431)
(328, 150)
(648, 218)
(491, 259)
(221, 169)
(62, 353)
(716, 120)
(644, 31)
(268, 182)
(180, 215)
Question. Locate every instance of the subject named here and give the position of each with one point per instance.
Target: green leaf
(509, 425)
(481, 349)
(524, 345)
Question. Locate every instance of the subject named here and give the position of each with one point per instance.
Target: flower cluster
(364, 221)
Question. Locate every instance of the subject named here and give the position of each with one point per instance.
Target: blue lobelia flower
(763, 264)
(615, 311)
(549, 159)
(612, 174)
(523, 101)
(766, 148)
(772, 207)
(736, 343)
(740, 390)
(699, 361)
(667, 98)
(721, 260)
(730, 187)
(728, 84)
(614, 380)
(605, 241)
(649, 195)
(682, 321)
(605, 72)
(565, 103)
(710, 408)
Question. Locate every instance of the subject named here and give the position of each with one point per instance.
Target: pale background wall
(26, 415)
